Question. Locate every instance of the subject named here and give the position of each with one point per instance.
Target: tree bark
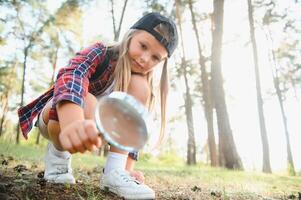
(228, 156)
(53, 61)
(207, 99)
(121, 20)
(265, 145)
(290, 162)
(117, 30)
(26, 49)
(191, 148)
(4, 102)
(273, 60)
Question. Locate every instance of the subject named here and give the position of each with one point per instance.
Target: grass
(178, 176)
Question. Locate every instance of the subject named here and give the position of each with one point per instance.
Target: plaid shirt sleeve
(29, 112)
(73, 80)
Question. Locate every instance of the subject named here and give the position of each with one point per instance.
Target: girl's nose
(144, 58)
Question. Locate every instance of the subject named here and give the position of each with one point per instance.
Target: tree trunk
(228, 156)
(191, 148)
(113, 19)
(290, 162)
(120, 21)
(23, 88)
(53, 61)
(38, 138)
(265, 145)
(116, 37)
(4, 102)
(206, 93)
(117, 30)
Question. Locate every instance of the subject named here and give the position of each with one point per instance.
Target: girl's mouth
(137, 64)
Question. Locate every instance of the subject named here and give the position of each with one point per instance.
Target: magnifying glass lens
(121, 124)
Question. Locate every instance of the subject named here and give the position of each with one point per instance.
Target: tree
(157, 6)
(67, 19)
(265, 145)
(269, 18)
(8, 87)
(206, 92)
(117, 29)
(191, 147)
(28, 33)
(228, 156)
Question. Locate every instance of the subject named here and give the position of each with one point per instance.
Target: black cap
(149, 21)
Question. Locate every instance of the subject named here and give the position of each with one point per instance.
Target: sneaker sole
(115, 191)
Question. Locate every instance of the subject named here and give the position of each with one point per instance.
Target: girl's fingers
(138, 175)
(76, 142)
(66, 143)
(141, 176)
(85, 138)
(98, 142)
(92, 133)
(80, 136)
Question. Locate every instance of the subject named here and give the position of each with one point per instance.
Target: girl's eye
(156, 59)
(143, 46)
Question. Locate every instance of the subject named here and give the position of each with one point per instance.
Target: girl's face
(145, 52)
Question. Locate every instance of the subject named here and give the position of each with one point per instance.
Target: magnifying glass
(122, 120)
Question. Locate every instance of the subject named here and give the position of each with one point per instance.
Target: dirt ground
(20, 182)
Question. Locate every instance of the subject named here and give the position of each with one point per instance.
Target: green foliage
(170, 159)
(69, 17)
(165, 160)
(33, 137)
(145, 157)
(8, 131)
(8, 77)
(281, 24)
(23, 152)
(157, 6)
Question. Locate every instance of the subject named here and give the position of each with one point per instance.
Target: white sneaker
(121, 183)
(58, 166)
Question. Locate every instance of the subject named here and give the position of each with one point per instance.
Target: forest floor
(22, 178)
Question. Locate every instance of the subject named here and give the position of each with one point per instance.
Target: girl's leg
(57, 161)
(139, 88)
(130, 164)
(116, 178)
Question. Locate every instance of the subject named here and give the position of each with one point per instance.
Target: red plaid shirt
(72, 84)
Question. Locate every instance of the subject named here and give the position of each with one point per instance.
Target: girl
(66, 111)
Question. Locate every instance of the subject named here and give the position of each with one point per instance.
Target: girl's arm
(70, 92)
(77, 133)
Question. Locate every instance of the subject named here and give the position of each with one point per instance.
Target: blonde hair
(122, 73)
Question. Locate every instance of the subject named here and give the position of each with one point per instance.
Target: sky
(239, 84)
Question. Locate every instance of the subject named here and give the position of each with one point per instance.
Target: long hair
(122, 73)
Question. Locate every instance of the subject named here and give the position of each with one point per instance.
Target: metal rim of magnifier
(133, 103)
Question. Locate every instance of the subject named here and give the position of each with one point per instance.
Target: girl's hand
(138, 175)
(79, 136)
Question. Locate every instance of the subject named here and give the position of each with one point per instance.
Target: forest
(235, 77)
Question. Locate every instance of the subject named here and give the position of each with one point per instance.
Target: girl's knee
(139, 88)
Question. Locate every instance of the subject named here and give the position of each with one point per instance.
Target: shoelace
(63, 167)
(127, 178)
